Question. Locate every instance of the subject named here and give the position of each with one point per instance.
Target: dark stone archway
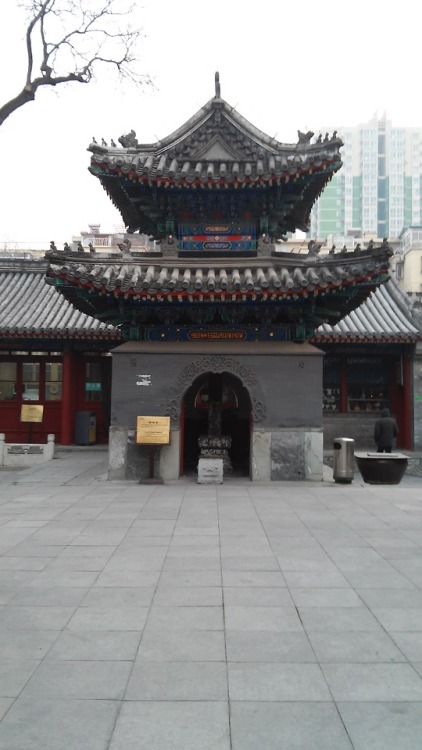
(236, 419)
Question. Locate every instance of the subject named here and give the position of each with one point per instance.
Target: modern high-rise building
(379, 188)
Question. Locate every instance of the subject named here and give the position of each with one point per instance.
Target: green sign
(93, 386)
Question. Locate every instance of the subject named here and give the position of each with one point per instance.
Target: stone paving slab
(296, 726)
(383, 725)
(232, 617)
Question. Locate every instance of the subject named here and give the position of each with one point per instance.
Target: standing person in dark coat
(385, 431)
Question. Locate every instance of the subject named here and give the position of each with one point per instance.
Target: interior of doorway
(236, 416)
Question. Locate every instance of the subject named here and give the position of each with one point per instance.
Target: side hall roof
(385, 316)
(31, 308)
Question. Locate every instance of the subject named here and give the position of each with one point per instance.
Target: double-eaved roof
(30, 308)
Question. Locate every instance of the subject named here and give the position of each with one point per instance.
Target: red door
(37, 380)
(30, 381)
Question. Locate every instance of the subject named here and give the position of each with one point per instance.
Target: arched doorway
(231, 396)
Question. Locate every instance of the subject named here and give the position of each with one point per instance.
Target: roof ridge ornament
(129, 140)
(304, 138)
(217, 86)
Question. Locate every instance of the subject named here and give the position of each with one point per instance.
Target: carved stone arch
(216, 364)
(259, 411)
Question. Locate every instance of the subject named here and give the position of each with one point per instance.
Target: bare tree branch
(68, 40)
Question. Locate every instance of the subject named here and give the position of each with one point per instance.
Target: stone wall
(284, 382)
(359, 427)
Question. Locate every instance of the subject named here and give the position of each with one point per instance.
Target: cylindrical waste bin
(343, 464)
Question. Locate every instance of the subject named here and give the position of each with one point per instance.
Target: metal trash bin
(85, 428)
(344, 455)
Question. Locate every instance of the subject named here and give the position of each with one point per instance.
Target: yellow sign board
(153, 430)
(32, 413)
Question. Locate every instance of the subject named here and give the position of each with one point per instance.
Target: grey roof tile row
(273, 168)
(258, 276)
(215, 144)
(384, 316)
(29, 306)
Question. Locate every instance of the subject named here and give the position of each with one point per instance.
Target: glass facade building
(378, 190)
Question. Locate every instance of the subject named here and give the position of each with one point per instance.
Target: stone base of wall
(127, 460)
(22, 455)
(282, 455)
(287, 455)
(297, 455)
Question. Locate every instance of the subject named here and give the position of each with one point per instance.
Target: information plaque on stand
(152, 431)
(32, 413)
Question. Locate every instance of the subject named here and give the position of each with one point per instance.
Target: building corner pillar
(67, 406)
(407, 403)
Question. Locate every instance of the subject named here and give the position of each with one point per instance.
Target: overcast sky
(284, 65)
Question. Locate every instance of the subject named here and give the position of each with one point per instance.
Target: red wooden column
(407, 403)
(67, 410)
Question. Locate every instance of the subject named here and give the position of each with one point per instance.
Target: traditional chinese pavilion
(217, 317)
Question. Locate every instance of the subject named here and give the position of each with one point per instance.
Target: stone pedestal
(214, 447)
(210, 471)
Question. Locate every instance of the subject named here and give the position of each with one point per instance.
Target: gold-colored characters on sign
(153, 430)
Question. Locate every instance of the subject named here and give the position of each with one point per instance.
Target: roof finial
(217, 86)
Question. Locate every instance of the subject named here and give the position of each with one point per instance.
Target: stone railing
(25, 454)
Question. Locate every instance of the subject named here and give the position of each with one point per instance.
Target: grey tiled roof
(218, 144)
(282, 273)
(29, 307)
(187, 172)
(384, 316)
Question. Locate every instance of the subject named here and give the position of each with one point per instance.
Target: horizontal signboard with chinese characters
(202, 333)
(239, 236)
(217, 335)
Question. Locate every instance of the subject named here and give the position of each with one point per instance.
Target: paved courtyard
(284, 616)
